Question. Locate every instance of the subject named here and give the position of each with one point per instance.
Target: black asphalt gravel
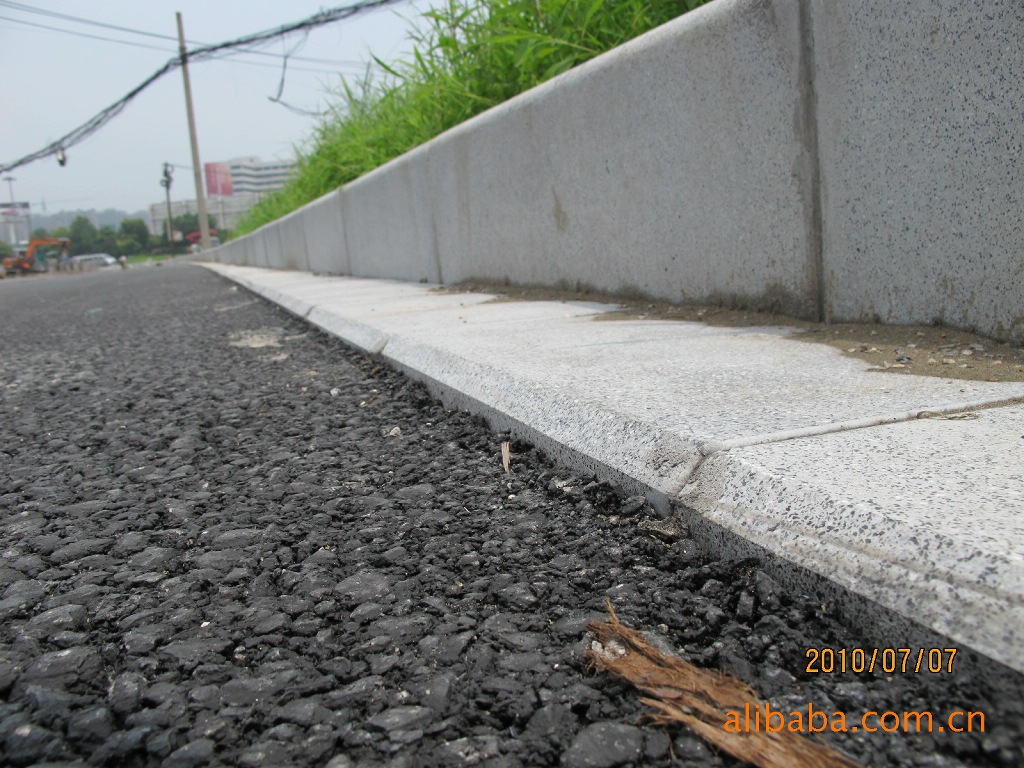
(228, 539)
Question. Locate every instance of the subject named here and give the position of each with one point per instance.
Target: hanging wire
(87, 36)
(21, 7)
(203, 53)
(280, 86)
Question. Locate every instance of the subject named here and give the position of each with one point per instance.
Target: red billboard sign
(218, 179)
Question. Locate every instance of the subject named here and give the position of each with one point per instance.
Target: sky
(54, 81)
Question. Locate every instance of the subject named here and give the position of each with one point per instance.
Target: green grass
(467, 56)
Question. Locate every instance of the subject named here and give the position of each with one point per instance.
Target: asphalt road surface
(228, 539)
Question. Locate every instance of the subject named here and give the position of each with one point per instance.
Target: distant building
(17, 220)
(250, 174)
(226, 211)
(232, 189)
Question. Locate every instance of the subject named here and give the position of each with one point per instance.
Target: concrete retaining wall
(389, 222)
(922, 160)
(848, 161)
(325, 235)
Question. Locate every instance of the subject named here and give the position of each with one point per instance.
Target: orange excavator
(35, 257)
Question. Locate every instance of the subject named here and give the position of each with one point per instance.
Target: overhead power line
(159, 36)
(82, 34)
(203, 53)
(75, 33)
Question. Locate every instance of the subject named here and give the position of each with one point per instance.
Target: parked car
(93, 261)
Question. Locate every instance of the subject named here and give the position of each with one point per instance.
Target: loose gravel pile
(230, 540)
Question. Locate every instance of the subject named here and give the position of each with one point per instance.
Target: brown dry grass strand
(680, 692)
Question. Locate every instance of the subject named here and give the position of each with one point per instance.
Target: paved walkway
(904, 489)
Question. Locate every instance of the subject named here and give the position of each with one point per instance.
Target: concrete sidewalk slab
(923, 516)
(791, 446)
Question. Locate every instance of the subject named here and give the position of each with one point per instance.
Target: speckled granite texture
(921, 515)
(843, 161)
(922, 161)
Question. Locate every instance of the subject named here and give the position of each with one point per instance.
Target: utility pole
(14, 229)
(204, 222)
(165, 182)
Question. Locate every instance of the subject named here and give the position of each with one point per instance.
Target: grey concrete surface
(693, 196)
(389, 221)
(922, 161)
(781, 154)
(292, 231)
(235, 251)
(325, 235)
(707, 192)
(787, 444)
(932, 505)
(261, 253)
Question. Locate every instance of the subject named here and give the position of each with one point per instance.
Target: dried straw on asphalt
(700, 699)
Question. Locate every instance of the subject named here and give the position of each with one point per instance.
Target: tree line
(131, 238)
